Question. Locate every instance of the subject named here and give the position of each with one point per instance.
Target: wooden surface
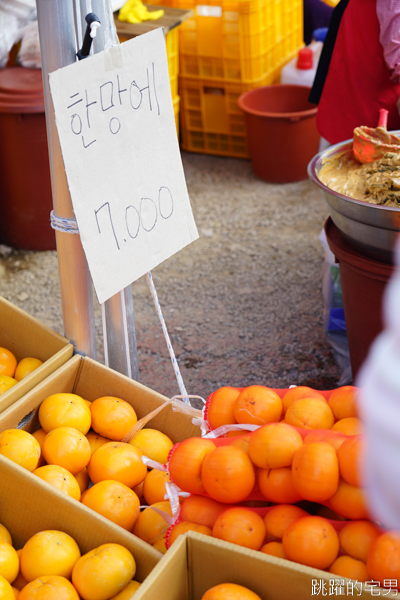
(171, 18)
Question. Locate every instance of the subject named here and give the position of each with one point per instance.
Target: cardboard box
(25, 336)
(27, 506)
(196, 562)
(91, 380)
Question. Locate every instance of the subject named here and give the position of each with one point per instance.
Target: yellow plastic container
(176, 112)
(239, 40)
(331, 2)
(211, 120)
(172, 43)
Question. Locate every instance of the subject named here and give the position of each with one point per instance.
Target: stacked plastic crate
(227, 48)
(172, 41)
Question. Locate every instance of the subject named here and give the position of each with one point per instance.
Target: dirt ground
(243, 304)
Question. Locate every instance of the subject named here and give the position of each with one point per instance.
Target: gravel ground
(243, 304)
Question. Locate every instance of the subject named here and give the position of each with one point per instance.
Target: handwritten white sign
(116, 125)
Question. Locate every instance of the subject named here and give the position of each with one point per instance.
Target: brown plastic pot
(25, 186)
(281, 130)
(363, 283)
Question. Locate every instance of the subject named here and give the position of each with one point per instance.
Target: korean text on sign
(116, 124)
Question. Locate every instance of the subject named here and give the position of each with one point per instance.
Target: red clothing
(358, 82)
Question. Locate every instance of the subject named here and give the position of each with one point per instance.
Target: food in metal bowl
(377, 182)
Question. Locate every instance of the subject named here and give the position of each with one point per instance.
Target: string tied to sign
(175, 365)
(63, 225)
(70, 226)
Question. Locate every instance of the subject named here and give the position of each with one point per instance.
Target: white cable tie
(202, 424)
(215, 433)
(63, 225)
(162, 513)
(172, 491)
(180, 494)
(189, 396)
(153, 464)
(93, 28)
(185, 408)
(204, 428)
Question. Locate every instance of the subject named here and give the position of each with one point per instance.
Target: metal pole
(107, 33)
(58, 48)
(119, 322)
(120, 347)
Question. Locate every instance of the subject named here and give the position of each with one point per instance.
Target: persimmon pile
(301, 406)
(358, 550)
(292, 488)
(276, 463)
(302, 465)
(50, 567)
(11, 371)
(78, 450)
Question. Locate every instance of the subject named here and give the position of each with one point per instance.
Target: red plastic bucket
(363, 283)
(25, 186)
(281, 130)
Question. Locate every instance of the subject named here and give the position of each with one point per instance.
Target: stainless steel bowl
(368, 228)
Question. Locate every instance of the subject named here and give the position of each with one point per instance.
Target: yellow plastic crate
(289, 32)
(172, 43)
(239, 40)
(211, 120)
(176, 112)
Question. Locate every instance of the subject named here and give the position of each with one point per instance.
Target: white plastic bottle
(301, 69)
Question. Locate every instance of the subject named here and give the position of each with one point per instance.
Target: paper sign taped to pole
(116, 125)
